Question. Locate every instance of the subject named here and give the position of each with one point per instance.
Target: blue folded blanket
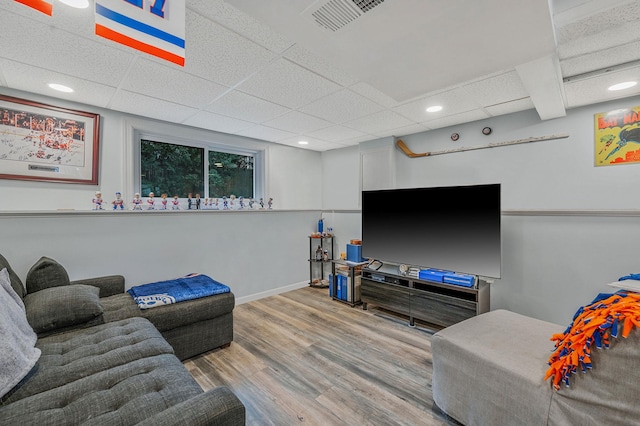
(192, 286)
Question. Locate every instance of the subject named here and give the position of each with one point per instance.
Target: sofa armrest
(216, 407)
(109, 285)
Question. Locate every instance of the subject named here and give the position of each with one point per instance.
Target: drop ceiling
(337, 72)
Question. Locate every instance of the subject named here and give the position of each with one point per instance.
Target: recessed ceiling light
(434, 108)
(303, 143)
(60, 87)
(622, 86)
(79, 4)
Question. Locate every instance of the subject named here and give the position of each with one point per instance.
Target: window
(177, 169)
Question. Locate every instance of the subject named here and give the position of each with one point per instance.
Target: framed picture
(48, 143)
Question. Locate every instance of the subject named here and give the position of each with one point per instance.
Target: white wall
(257, 253)
(552, 262)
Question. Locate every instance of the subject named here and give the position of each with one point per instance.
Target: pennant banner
(154, 27)
(44, 6)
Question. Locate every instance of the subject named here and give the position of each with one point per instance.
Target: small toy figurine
(137, 202)
(225, 203)
(250, 203)
(197, 201)
(189, 202)
(261, 204)
(151, 202)
(175, 204)
(241, 202)
(163, 202)
(270, 203)
(118, 203)
(97, 201)
(232, 199)
(215, 205)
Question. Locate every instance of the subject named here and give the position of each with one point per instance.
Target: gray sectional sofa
(78, 353)
(490, 369)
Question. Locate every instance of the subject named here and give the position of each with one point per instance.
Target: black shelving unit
(319, 267)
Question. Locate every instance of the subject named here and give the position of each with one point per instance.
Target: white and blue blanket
(192, 286)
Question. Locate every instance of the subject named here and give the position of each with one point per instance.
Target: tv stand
(437, 303)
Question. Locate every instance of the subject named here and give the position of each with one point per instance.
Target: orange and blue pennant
(156, 27)
(44, 6)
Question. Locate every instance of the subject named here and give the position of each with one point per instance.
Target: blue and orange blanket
(593, 326)
(192, 286)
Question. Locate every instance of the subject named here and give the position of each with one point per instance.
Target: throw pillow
(62, 306)
(16, 283)
(18, 354)
(46, 273)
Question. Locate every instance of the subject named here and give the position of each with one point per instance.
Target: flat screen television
(456, 228)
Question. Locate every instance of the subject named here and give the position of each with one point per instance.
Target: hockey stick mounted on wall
(404, 148)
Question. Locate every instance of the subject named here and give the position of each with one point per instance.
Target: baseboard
(272, 292)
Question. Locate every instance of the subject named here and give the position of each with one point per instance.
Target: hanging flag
(44, 6)
(156, 27)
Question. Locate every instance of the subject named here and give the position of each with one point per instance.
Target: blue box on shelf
(460, 279)
(435, 275)
(354, 253)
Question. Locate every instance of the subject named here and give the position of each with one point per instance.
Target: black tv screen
(456, 228)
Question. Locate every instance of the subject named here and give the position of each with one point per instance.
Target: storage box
(354, 253)
(435, 275)
(460, 279)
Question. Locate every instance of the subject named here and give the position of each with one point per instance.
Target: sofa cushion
(57, 307)
(125, 394)
(16, 283)
(489, 369)
(70, 356)
(46, 273)
(170, 316)
(18, 354)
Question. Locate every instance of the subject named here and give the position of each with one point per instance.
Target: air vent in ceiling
(335, 14)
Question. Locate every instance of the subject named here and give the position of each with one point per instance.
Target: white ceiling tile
(452, 120)
(246, 107)
(222, 56)
(219, 123)
(379, 122)
(266, 133)
(24, 77)
(297, 122)
(166, 81)
(453, 101)
(337, 134)
(510, 107)
(368, 91)
(309, 60)
(159, 109)
(228, 16)
(342, 106)
(67, 54)
(314, 144)
(600, 60)
(590, 90)
(496, 90)
(288, 84)
(407, 130)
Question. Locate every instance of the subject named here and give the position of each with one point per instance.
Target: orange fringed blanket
(593, 324)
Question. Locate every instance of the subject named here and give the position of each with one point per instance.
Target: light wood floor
(302, 358)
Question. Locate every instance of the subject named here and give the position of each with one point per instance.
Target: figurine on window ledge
(261, 203)
(118, 203)
(137, 202)
(270, 203)
(97, 201)
(175, 204)
(251, 203)
(225, 203)
(151, 202)
(163, 202)
(197, 201)
(189, 202)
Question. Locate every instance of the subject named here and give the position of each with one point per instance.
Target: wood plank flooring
(301, 358)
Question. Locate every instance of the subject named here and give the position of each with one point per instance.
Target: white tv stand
(437, 303)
